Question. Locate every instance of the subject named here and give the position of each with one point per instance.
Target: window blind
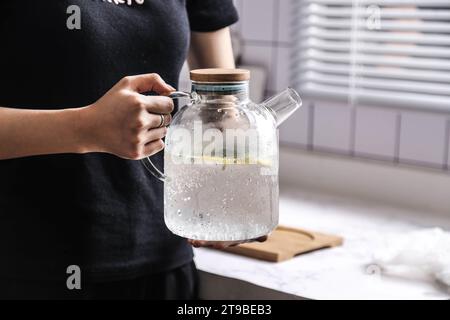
(384, 52)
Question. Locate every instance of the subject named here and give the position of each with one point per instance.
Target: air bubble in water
(219, 205)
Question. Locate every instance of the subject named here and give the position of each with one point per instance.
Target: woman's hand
(123, 122)
(126, 123)
(222, 244)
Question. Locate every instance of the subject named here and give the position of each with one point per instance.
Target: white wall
(393, 135)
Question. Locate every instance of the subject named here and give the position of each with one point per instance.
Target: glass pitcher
(221, 159)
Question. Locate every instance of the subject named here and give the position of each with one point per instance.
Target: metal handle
(148, 164)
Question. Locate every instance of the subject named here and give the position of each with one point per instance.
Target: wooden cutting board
(284, 243)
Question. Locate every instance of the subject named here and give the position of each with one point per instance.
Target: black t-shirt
(97, 211)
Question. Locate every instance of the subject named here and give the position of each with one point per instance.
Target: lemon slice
(229, 161)
(224, 160)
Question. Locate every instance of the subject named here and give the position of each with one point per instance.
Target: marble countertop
(344, 272)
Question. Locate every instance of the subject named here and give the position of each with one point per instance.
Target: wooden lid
(220, 75)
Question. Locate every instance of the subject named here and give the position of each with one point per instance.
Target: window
(382, 52)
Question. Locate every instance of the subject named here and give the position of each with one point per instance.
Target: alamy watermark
(73, 281)
(373, 21)
(74, 19)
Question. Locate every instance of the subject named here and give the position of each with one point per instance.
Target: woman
(73, 118)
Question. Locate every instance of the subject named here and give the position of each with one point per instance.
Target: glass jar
(221, 160)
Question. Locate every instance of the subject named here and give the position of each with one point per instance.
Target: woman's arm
(211, 50)
(33, 132)
(123, 122)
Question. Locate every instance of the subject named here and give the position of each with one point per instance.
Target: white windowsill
(338, 273)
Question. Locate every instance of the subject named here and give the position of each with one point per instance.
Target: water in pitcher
(219, 201)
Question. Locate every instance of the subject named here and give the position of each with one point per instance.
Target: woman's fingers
(153, 147)
(154, 142)
(222, 244)
(154, 134)
(262, 239)
(146, 82)
(149, 121)
(158, 121)
(157, 104)
(214, 244)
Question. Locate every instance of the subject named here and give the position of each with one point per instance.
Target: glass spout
(283, 105)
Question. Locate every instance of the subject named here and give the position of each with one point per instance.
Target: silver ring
(163, 120)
